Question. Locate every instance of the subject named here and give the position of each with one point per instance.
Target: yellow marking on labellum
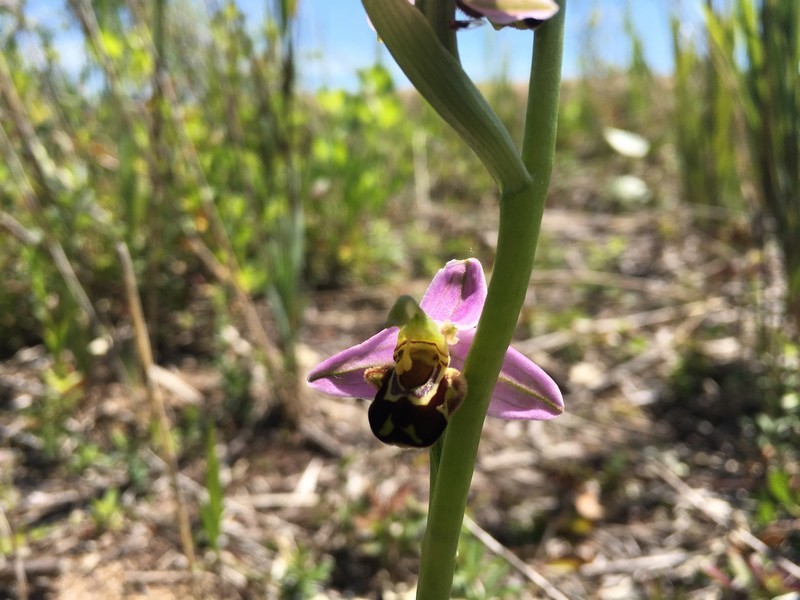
(387, 428)
(411, 432)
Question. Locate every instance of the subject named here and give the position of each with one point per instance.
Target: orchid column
(434, 375)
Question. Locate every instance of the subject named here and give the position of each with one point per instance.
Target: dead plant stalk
(155, 398)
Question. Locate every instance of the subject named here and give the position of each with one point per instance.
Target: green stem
(520, 220)
(435, 455)
(440, 14)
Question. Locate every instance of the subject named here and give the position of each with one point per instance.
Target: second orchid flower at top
(522, 14)
(412, 368)
(508, 12)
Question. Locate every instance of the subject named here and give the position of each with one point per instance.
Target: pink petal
(343, 373)
(522, 392)
(456, 293)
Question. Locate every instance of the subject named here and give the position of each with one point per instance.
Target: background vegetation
(184, 232)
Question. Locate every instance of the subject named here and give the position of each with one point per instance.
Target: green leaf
(778, 482)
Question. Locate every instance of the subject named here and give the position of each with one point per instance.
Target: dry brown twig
(515, 561)
(660, 561)
(623, 323)
(723, 515)
(18, 567)
(156, 399)
(18, 230)
(644, 285)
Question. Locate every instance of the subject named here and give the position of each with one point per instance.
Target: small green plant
(211, 510)
(740, 574)
(51, 412)
(127, 448)
(777, 427)
(756, 49)
(305, 575)
(396, 534)
(234, 360)
(87, 455)
(640, 78)
(784, 490)
(580, 119)
(704, 120)
(481, 577)
(106, 511)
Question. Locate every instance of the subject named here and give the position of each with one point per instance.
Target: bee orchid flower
(412, 368)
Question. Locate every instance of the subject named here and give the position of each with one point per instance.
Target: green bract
(438, 76)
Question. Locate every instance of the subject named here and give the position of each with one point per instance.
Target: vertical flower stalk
(520, 221)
